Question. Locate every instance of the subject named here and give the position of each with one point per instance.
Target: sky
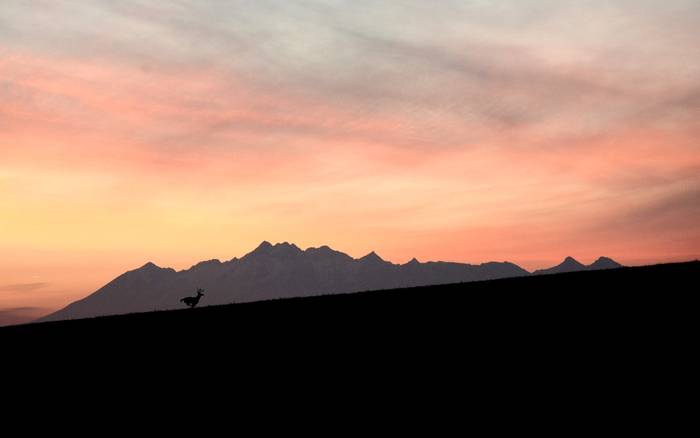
(180, 131)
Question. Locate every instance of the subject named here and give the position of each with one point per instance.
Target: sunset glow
(454, 130)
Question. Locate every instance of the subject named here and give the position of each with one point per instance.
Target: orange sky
(470, 133)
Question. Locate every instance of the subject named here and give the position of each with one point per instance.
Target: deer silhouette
(193, 301)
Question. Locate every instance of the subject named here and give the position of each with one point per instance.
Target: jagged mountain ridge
(268, 272)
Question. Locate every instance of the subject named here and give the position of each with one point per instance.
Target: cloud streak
(22, 287)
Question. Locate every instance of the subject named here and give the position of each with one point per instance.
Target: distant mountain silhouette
(570, 264)
(282, 270)
(604, 263)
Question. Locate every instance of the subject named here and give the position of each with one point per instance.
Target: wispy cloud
(22, 287)
(438, 71)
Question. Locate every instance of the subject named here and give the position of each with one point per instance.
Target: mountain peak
(321, 250)
(263, 248)
(286, 249)
(327, 253)
(264, 245)
(604, 263)
(413, 261)
(604, 259)
(570, 262)
(206, 263)
(371, 257)
(148, 270)
(285, 245)
(278, 249)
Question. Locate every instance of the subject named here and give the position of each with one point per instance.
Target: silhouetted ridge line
(282, 270)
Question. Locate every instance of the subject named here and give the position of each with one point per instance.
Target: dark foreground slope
(596, 303)
(566, 346)
(576, 351)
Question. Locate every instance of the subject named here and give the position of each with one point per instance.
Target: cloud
(22, 287)
(447, 75)
(677, 210)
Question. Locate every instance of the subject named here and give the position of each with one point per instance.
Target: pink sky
(462, 132)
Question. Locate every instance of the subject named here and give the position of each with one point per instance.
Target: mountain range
(284, 270)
